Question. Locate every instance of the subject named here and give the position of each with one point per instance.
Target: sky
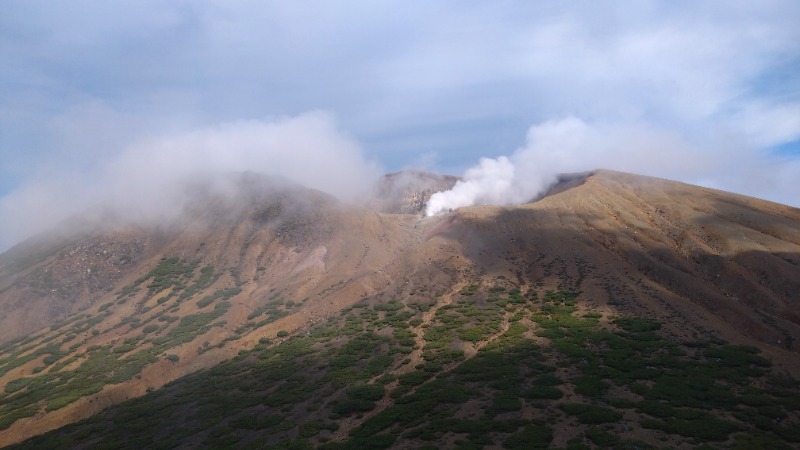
(115, 101)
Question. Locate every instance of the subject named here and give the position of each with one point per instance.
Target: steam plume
(573, 145)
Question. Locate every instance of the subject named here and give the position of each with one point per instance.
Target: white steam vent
(572, 145)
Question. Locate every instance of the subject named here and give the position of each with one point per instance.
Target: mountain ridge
(292, 258)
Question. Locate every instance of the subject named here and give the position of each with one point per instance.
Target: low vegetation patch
(536, 365)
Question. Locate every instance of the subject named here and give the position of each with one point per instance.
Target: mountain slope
(669, 248)
(276, 262)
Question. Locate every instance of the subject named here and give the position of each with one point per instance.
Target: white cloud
(146, 181)
(767, 124)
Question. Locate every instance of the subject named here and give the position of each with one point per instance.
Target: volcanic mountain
(617, 310)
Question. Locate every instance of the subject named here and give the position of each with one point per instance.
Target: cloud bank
(147, 180)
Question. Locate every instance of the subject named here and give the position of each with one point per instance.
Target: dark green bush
(591, 414)
(371, 392)
(532, 436)
(543, 392)
(708, 428)
(390, 306)
(601, 437)
(590, 386)
(637, 324)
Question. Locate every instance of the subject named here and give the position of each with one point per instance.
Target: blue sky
(703, 92)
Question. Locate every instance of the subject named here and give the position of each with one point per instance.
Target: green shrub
(532, 436)
(313, 428)
(708, 428)
(413, 378)
(637, 324)
(17, 384)
(591, 414)
(471, 334)
(371, 392)
(548, 380)
(390, 306)
(623, 403)
(504, 402)
(469, 290)
(601, 438)
(125, 348)
(50, 359)
(736, 356)
(256, 422)
(590, 386)
(205, 301)
(8, 419)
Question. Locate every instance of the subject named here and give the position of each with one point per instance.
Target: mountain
(618, 310)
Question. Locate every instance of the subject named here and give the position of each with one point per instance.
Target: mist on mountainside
(153, 181)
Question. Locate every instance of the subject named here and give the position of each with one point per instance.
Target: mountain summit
(575, 319)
